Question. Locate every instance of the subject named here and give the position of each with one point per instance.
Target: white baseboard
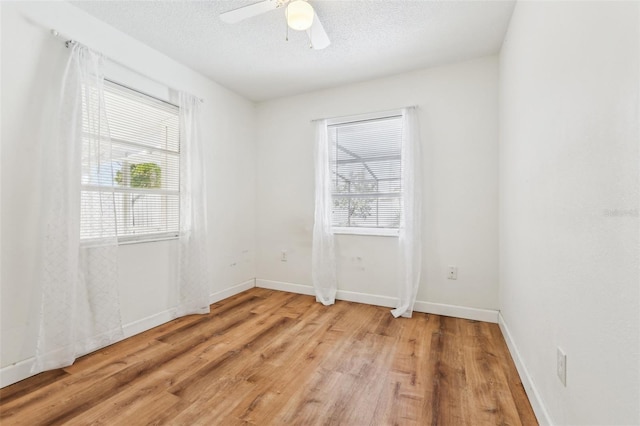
(485, 315)
(529, 386)
(282, 286)
(477, 314)
(369, 299)
(231, 291)
(21, 370)
(144, 324)
(15, 372)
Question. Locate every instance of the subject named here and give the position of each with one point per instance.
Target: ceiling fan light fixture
(299, 15)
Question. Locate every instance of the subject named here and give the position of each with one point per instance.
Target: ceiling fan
(299, 13)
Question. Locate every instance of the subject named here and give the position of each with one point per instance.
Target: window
(365, 169)
(144, 172)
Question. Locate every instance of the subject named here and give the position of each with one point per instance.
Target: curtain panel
(323, 258)
(79, 308)
(410, 241)
(193, 271)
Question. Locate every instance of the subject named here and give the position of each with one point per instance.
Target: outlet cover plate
(452, 272)
(562, 366)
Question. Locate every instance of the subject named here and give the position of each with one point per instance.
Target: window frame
(355, 230)
(128, 239)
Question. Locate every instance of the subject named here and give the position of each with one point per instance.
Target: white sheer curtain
(79, 305)
(410, 243)
(323, 259)
(193, 276)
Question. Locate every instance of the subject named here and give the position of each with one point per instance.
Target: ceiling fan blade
(317, 34)
(237, 15)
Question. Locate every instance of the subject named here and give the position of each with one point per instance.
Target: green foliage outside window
(141, 175)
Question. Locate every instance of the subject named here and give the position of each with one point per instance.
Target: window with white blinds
(145, 172)
(365, 168)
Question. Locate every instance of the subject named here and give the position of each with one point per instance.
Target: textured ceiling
(369, 39)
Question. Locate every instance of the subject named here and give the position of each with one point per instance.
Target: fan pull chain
(286, 22)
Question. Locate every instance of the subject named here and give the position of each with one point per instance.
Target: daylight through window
(144, 172)
(365, 168)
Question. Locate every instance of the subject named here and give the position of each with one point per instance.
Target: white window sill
(128, 240)
(142, 239)
(375, 232)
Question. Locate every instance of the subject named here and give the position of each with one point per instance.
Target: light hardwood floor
(266, 357)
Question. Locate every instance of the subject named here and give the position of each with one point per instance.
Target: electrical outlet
(452, 273)
(562, 366)
(283, 256)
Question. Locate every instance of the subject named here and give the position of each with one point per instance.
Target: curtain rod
(70, 42)
(386, 111)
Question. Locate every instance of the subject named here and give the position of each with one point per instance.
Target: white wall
(458, 115)
(569, 232)
(32, 61)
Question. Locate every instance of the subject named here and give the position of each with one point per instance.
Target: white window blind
(367, 185)
(145, 172)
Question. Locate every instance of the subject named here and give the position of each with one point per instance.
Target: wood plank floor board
(289, 381)
(455, 392)
(41, 381)
(492, 373)
(411, 388)
(206, 409)
(302, 359)
(87, 386)
(358, 404)
(516, 388)
(265, 357)
(138, 404)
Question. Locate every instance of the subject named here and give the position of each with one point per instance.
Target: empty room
(314, 212)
